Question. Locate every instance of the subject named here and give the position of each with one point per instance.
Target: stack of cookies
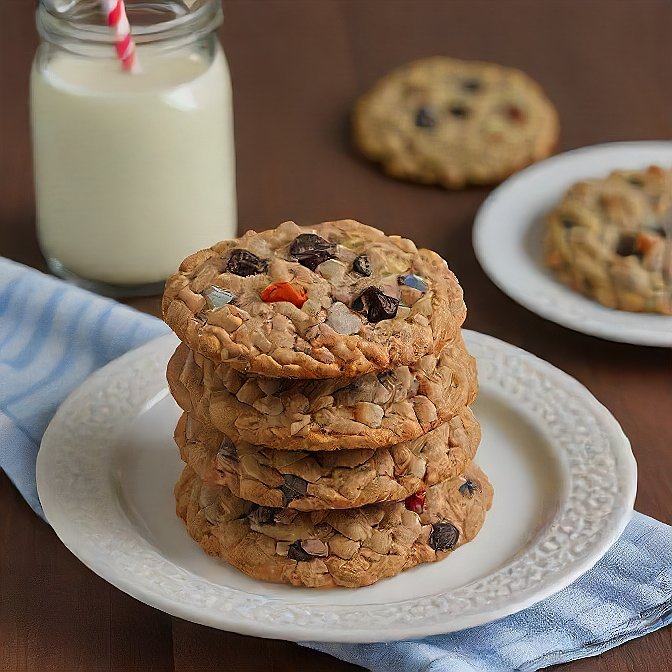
(326, 394)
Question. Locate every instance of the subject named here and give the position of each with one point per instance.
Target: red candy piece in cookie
(416, 502)
(644, 242)
(284, 291)
(515, 114)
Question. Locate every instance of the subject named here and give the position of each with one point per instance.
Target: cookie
(339, 299)
(450, 122)
(343, 479)
(372, 411)
(611, 239)
(325, 549)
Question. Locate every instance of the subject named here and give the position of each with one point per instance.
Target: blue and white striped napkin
(626, 595)
(52, 336)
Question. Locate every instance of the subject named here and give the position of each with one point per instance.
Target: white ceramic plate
(508, 234)
(563, 473)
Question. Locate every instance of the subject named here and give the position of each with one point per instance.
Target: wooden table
(297, 66)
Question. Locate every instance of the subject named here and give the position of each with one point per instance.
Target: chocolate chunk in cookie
(244, 263)
(376, 305)
(459, 111)
(293, 488)
(311, 250)
(627, 245)
(263, 515)
(296, 552)
(362, 265)
(444, 536)
(425, 118)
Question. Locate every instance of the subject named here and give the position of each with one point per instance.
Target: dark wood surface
(297, 66)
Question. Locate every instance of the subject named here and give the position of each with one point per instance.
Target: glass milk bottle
(133, 171)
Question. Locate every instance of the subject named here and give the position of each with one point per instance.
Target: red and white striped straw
(115, 11)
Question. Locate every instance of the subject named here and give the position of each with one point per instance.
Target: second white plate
(563, 473)
(508, 234)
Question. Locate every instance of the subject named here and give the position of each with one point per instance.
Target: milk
(133, 172)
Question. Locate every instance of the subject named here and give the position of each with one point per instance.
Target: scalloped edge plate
(508, 233)
(563, 472)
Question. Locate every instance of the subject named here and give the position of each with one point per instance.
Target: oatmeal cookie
(342, 479)
(339, 299)
(451, 122)
(325, 549)
(372, 411)
(611, 239)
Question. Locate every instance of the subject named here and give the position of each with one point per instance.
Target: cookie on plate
(372, 411)
(611, 239)
(339, 299)
(451, 122)
(343, 479)
(325, 549)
